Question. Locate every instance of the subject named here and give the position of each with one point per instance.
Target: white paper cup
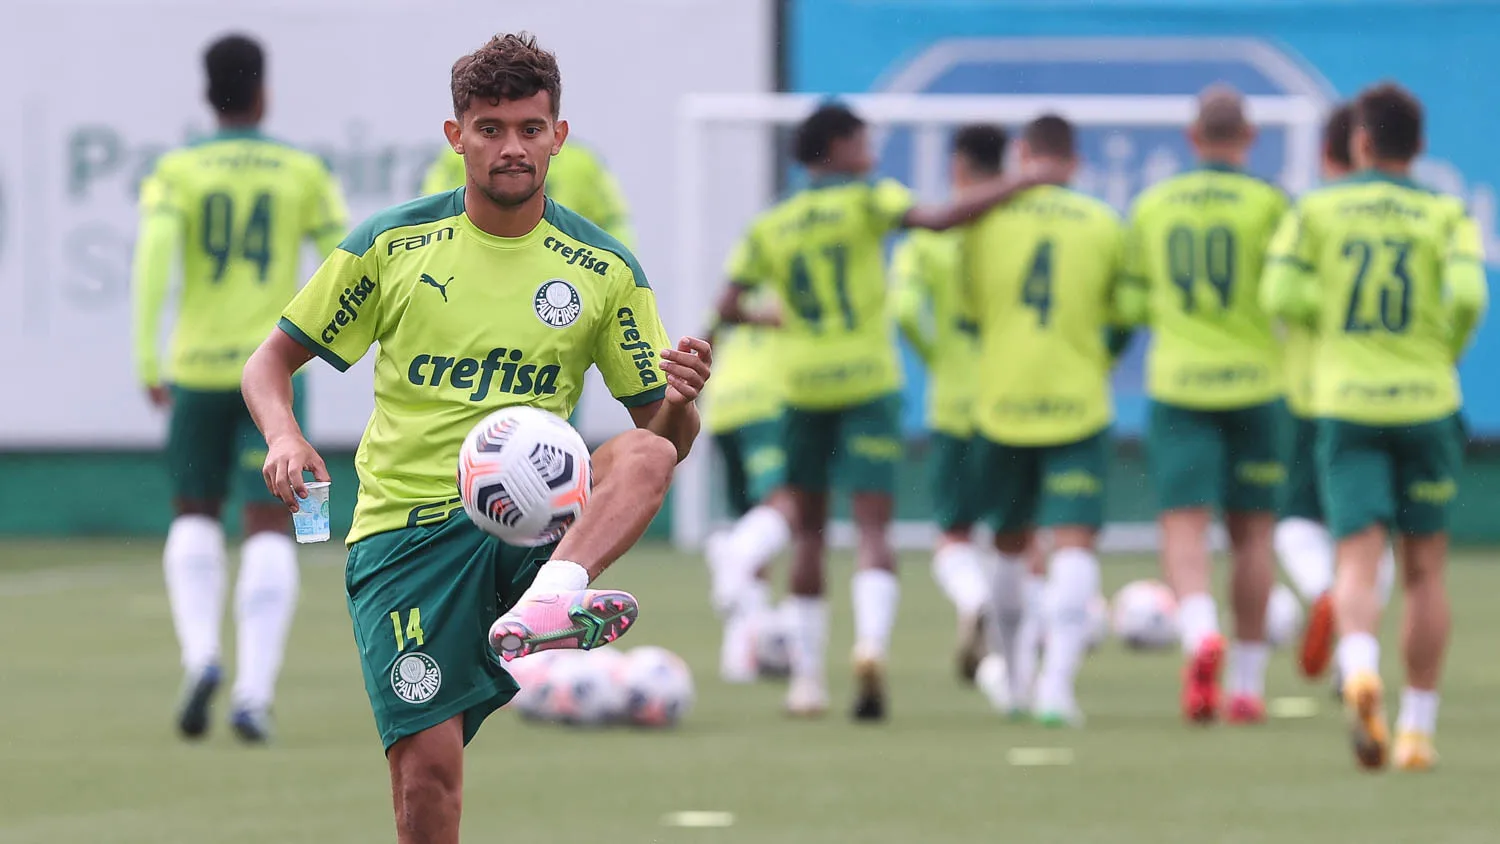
(310, 522)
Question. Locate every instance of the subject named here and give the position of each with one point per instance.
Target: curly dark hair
(1393, 118)
(509, 67)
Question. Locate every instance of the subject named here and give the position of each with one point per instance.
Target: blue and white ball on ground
(524, 475)
(658, 687)
(1144, 615)
(583, 691)
(533, 674)
(1283, 616)
(773, 643)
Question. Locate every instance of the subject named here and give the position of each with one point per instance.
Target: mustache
(510, 168)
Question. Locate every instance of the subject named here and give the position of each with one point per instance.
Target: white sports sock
(1357, 653)
(876, 593)
(1199, 618)
(556, 576)
(1007, 602)
(1072, 581)
(1385, 576)
(1024, 650)
(809, 635)
(1305, 550)
(756, 538)
(1419, 710)
(193, 562)
(958, 568)
(265, 597)
(737, 662)
(1247, 668)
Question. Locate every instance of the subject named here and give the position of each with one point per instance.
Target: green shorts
(754, 463)
(864, 440)
(955, 490)
(214, 448)
(1042, 486)
(422, 600)
(1401, 476)
(1229, 459)
(1299, 495)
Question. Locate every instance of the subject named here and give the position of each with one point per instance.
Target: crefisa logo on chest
(557, 303)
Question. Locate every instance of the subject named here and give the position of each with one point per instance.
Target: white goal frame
(929, 115)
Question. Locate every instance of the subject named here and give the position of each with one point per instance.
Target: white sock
(194, 565)
(958, 568)
(1072, 581)
(1306, 553)
(1247, 668)
(1385, 576)
(752, 610)
(1358, 653)
(265, 597)
(1419, 711)
(1023, 654)
(756, 538)
(556, 576)
(1199, 618)
(1007, 602)
(809, 635)
(876, 593)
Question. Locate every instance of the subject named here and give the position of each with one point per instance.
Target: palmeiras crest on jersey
(557, 303)
(416, 678)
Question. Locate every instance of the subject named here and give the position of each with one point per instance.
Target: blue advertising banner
(1443, 51)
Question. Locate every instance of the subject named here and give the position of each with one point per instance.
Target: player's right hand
(159, 396)
(286, 459)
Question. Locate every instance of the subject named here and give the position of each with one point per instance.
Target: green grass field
(89, 754)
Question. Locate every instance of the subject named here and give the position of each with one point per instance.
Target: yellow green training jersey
(1197, 242)
(932, 310)
(820, 250)
(1391, 279)
(576, 179)
(234, 209)
(1044, 273)
(744, 389)
(467, 323)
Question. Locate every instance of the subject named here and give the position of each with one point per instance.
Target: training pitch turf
(89, 754)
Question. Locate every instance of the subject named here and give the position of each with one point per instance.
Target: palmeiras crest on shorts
(557, 303)
(416, 678)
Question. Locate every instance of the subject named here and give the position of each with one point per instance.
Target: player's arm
(657, 383)
(911, 297)
(974, 203)
(1289, 285)
(158, 245)
(1465, 288)
(326, 214)
(746, 269)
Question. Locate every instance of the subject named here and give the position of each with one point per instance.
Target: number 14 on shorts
(412, 632)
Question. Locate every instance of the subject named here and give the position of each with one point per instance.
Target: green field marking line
(698, 819)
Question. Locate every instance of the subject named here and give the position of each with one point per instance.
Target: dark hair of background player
(982, 146)
(509, 67)
(1392, 117)
(1050, 135)
(816, 135)
(1336, 132)
(236, 71)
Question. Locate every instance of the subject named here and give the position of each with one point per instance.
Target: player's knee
(427, 784)
(647, 460)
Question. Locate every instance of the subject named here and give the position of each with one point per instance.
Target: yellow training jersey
(821, 252)
(467, 323)
(933, 312)
(745, 388)
(234, 210)
(1391, 279)
(576, 179)
(1044, 275)
(1197, 242)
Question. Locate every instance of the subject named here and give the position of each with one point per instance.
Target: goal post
(709, 216)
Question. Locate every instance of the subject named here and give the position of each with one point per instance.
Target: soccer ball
(582, 690)
(773, 644)
(1098, 621)
(1283, 616)
(1145, 615)
(658, 687)
(524, 476)
(533, 674)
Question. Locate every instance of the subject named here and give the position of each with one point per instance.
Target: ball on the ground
(524, 476)
(773, 643)
(1283, 616)
(533, 674)
(658, 687)
(1144, 615)
(583, 690)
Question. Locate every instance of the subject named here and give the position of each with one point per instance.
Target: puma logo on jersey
(580, 256)
(441, 287)
(515, 376)
(348, 312)
(642, 354)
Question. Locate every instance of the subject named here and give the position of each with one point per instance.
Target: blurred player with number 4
(234, 209)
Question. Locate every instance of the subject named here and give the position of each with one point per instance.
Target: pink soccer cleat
(581, 620)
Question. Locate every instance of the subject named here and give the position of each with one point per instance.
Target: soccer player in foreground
(483, 297)
(820, 250)
(1198, 242)
(1044, 275)
(932, 309)
(234, 210)
(1391, 278)
(1302, 541)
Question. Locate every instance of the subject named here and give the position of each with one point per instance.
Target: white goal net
(726, 173)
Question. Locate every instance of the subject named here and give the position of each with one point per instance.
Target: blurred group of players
(1301, 372)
